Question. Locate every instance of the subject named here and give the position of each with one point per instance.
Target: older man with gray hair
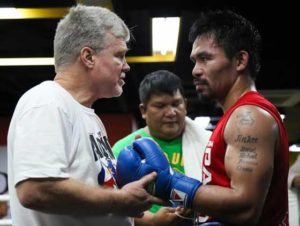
(60, 164)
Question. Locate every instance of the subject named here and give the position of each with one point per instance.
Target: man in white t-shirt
(60, 164)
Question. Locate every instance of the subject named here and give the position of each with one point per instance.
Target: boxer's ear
(242, 60)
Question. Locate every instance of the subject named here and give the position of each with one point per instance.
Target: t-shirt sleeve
(41, 144)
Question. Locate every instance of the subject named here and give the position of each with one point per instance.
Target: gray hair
(85, 26)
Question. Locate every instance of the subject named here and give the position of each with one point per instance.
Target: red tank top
(275, 211)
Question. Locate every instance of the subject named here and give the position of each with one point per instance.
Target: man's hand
(135, 197)
(165, 216)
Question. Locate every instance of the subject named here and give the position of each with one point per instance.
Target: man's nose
(126, 67)
(197, 70)
(170, 111)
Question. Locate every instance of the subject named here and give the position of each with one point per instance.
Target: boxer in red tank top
(245, 165)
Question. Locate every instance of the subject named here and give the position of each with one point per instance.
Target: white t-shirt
(52, 135)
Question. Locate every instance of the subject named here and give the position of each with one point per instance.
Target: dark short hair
(232, 32)
(159, 82)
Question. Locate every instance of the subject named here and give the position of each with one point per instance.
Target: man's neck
(76, 86)
(146, 129)
(243, 85)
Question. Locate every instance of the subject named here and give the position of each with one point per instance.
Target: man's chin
(204, 98)
(171, 134)
(118, 92)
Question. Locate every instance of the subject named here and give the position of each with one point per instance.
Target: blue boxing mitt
(145, 156)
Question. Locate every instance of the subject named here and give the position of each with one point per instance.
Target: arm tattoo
(247, 159)
(246, 139)
(248, 155)
(246, 119)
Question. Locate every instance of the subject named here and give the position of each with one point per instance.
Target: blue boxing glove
(144, 157)
(133, 162)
